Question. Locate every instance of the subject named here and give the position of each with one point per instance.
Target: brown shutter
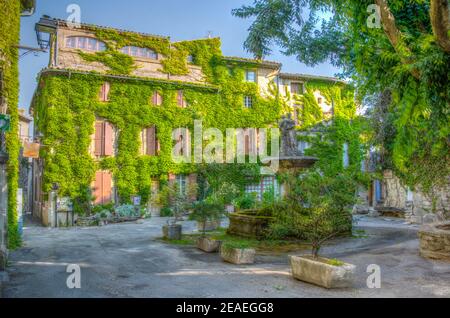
(180, 98)
(106, 187)
(151, 141)
(172, 179)
(98, 149)
(155, 98)
(97, 187)
(192, 182)
(295, 88)
(108, 139)
(104, 92)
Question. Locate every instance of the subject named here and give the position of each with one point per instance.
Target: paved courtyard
(128, 260)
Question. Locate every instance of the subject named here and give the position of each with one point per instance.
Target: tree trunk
(439, 16)
(394, 35)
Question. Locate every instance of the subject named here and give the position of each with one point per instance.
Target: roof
(47, 22)
(270, 64)
(298, 76)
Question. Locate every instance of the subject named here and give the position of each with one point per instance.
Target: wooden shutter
(151, 141)
(104, 92)
(180, 100)
(102, 187)
(109, 139)
(97, 187)
(106, 187)
(157, 99)
(192, 182)
(98, 148)
(295, 88)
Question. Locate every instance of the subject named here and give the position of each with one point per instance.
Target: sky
(179, 19)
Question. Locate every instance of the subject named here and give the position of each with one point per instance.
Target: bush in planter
(318, 208)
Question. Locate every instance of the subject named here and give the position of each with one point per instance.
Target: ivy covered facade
(108, 103)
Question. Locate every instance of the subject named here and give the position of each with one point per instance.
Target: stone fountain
(290, 158)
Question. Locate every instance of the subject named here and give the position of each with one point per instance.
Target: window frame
(139, 52)
(247, 72)
(248, 101)
(100, 46)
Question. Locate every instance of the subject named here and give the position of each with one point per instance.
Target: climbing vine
(66, 108)
(9, 56)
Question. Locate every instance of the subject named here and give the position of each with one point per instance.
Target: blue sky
(179, 19)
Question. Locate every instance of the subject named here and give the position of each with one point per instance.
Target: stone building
(134, 89)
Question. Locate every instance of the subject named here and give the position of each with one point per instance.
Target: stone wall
(416, 204)
(435, 241)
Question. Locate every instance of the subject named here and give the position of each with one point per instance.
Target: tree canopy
(397, 53)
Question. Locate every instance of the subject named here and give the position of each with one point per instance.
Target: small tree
(317, 208)
(207, 210)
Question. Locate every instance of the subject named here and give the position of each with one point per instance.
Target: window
(85, 43)
(302, 146)
(103, 139)
(190, 59)
(346, 158)
(181, 181)
(319, 100)
(139, 52)
(248, 101)
(149, 141)
(250, 76)
(267, 184)
(295, 88)
(157, 99)
(103, 95)
(181, 101)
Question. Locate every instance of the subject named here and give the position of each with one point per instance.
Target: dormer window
(85, 43)
(139, 52)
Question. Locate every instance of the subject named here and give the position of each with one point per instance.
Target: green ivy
(66, 107)
(9, 39)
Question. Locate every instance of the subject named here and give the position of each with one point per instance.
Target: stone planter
(435, 241)
(319, 272)
(210, 225)
(248, 224)
(172, 231)
(239, 256)
(208, 245)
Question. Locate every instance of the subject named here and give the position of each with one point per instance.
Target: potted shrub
(237, 253)
(205, 212)
(319, 209)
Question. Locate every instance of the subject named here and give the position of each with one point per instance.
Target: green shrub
(246, 201)
(317, 208)
(166, 212)
(128, 211)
